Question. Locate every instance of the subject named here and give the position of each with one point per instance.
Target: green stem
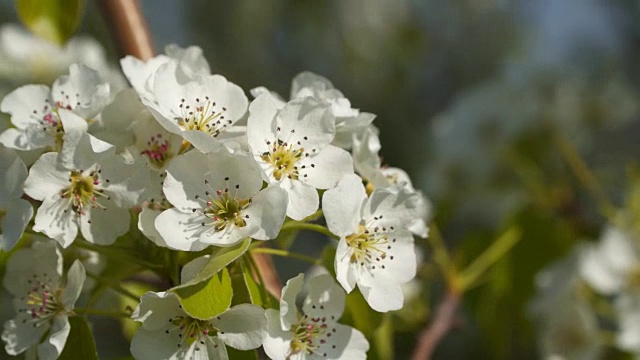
(440, 253)
(115, 254)
(584, 174)
(114, 286)
(285, 253)
(311, 227)
(115, 314)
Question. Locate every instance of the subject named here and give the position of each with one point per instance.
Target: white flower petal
(53, 345)
(103, 226)
(21, 103)
(183, 182)
(288, 309)
(277, 344)
(385, 295)
(325, 298)
(267, 210)
(243, 326)
(52, 220)
(181, 231)
(308, 122)
(72, 289)
(46, 177)
(386, 208)
(345, 274)
(342, 205)
(19, 337)
(261, 125)
(155, 309)
(42, 258)
(350, 344)
(146, 224)
(303, 199)
(19, 212)
(330, 165)
(13, 175)
(156, 345)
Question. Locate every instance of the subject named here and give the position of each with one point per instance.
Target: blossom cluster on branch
(208, 175)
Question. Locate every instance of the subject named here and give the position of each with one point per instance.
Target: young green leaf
(54, 20)
(80, 343)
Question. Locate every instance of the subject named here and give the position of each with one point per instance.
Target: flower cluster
(200, 167)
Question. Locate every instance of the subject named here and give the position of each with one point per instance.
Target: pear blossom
(312, 332)
(219, 200)
(367, 164)
(15, 212)
(348, 121)
(191, 64)
(44, 300)
(92, 191)
(242, 327)
(376, 249)
(34, 109)
(203, 111)
(292, 144)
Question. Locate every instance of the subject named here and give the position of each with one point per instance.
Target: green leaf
(54, 20)
(80, 343)
(246, 290)
(207, 299)
(242, 355)
(219, 259)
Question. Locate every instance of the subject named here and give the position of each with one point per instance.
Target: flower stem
(114, 286)
(285, 253)
(440, 253)
(115, 314)
(311, 227)
(115, 254)
(584, 174)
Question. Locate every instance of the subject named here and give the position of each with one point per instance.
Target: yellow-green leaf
(219, 259)
(54, 20)
(207, 299)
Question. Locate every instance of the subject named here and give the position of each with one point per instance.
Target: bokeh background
(468, 96)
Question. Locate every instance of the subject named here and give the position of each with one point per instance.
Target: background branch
(443, 321)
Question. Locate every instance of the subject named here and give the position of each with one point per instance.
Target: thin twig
(443, 322)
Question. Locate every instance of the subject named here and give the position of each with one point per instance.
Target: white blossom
(312, 332)
(292, 144)
(167, 332)
(219, 200)
(15, 212)
(35, 109)
(203, 111)
(43, 300)
(367, 164)
(376, 249)
(348, 121)
(191, 64)
(92, 191)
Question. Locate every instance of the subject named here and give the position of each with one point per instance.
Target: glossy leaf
(207, 299)
(219, 259)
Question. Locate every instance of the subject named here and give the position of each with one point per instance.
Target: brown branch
(128, 27)
(443, 321)
(131, 35)
(272, 283)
